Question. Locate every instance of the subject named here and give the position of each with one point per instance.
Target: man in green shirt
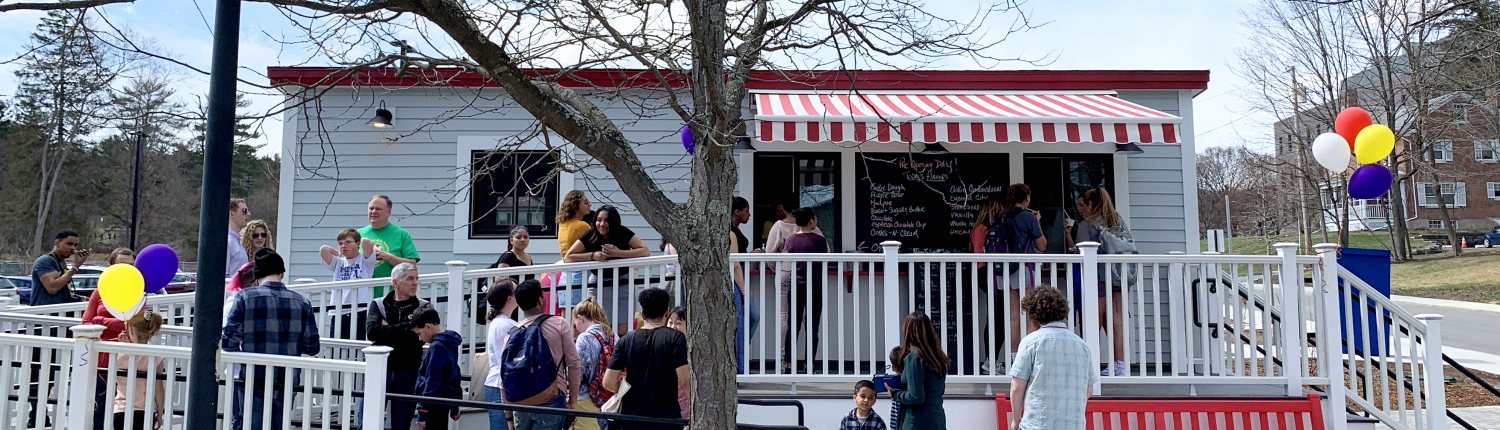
(393, 244)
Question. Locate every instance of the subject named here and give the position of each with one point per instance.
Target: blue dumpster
(1374, 267)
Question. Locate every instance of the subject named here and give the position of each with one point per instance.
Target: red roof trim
(969, 80)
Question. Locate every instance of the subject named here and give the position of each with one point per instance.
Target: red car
(182, 283)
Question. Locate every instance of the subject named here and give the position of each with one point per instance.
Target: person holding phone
(50, 277)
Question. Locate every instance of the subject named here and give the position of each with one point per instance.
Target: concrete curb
(1450, 304)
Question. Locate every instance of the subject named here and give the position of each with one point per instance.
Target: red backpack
(595, 386)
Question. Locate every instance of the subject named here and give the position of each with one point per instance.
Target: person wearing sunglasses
(239, 216)
(256, 235)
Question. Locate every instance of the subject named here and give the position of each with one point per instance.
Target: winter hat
(267, 263)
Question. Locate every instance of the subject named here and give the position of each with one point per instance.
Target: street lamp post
(135, 190)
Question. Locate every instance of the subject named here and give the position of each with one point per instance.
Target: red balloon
(1350, 122)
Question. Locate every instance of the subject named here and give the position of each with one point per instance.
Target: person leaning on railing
(610, 239)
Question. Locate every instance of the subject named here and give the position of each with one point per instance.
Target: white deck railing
(1184, 319)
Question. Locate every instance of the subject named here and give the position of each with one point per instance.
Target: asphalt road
(1465, 329)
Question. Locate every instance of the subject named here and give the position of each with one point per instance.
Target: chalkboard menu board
(928, 202)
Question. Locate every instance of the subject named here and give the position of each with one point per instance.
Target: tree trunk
(1344, 208)
(1397, 220)
(1437, 185)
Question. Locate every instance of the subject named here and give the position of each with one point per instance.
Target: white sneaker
(1120, 369)
(987, 364)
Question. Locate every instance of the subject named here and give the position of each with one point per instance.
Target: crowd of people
(578, 360)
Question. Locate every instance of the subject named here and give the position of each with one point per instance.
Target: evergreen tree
(62, 91)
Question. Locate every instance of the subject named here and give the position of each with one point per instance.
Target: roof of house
(915, 80)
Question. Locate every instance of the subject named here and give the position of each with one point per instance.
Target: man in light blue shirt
(1053, 376)
(239, 215)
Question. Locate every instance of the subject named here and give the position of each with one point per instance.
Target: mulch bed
(1462, 392)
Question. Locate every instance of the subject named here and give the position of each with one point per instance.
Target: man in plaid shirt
(863, 417)
(267, 319)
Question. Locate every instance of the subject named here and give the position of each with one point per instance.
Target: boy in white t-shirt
(354, 259)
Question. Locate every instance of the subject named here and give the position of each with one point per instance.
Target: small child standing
(130, 391)
(895, 369)
(439, 374)
(863, 417)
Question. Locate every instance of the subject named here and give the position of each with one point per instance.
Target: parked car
(183, 283)
(1492, 238)
(8, 289)
(22, 286)
(84, 284)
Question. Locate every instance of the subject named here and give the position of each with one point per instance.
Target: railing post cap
(87, 331)
(457, 263)
(1089, 244)
(1210, 252)
(895, 243)
(1325, 247)
(1176, 253)
(304, 281)
(1280, 245)
(377, 350)
(1430, 317)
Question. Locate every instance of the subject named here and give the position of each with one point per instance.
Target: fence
(1167, 319)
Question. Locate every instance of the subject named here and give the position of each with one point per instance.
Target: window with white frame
(1452, 194)
(1492, 190)
(1442, 151)
(1460, 113)
(1487, 150)
(1435, 224)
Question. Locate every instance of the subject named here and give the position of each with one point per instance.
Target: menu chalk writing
(928, 202)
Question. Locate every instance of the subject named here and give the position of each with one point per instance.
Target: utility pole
(135, 190)
(1303, 224)
(213, 219)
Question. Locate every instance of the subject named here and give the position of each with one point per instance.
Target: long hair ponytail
(1103, 206)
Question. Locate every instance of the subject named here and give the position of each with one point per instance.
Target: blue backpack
(1003, 237)
(529, 373)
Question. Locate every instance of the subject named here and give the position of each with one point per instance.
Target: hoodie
(439, 375)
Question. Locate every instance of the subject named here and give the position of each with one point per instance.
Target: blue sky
(1079, 34)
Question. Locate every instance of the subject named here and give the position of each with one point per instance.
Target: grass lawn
(1260, 245)
(1475, 277)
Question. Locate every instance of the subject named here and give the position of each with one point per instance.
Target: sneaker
(988, 364)
(1120, 369)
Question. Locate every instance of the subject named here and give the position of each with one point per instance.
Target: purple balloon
(158, 265)
(687, 138)
(1370, 182)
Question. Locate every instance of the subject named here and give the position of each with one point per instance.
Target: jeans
(740, 327)
(257, 409)
(530, 421)
(401, 413)
(497, 417)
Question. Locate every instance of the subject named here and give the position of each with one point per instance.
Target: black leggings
(800, 308)
(137, 421)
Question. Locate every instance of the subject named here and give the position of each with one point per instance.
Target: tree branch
(64, 5)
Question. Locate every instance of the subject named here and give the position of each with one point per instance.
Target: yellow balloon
(122, 288)
(1374, 143)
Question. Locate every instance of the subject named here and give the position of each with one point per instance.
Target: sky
(1077, 35)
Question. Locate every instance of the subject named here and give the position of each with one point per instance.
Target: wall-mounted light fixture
(1128, 149)
(382, 118)
(743, 145)
(934, 149)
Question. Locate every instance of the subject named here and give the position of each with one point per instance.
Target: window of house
(1442, 151)
(1460, 113)
(510, 188)
(1487, 150)
(1452, 194)
(1435, 224)
(1492, 189)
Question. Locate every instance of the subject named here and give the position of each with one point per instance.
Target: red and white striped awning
(955, 118)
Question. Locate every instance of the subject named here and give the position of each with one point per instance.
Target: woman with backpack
(596, 343)
(1100, 223)
(1016, 230)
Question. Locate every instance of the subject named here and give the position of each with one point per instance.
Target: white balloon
(1331, 151)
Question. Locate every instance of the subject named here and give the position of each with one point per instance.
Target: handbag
(613, 405)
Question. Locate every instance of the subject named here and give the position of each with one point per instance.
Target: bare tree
(698, 54)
